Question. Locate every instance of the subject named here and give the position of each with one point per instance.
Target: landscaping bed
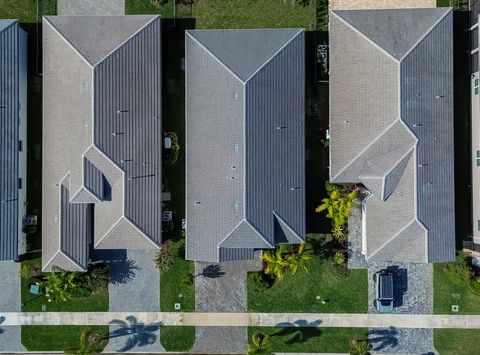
(97, 301)
(325, 288)
(309, 340)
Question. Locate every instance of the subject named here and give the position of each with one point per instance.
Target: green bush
(259, 281)
(165, 255)
(474, 286)
(179, 249)
(460, 271)
(174, 151)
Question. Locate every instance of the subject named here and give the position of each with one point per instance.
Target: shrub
(164, 257)
(259, 281)
(460, 272)
(174, 150)
(179, 249)
(158, 3)
(339, 258)
(60, 284)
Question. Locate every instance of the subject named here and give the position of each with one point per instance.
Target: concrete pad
(91, 7)
(380, 4)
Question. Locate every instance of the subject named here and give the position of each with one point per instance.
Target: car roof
(385, 286)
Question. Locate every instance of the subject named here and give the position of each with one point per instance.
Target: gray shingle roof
(391, 121)
(245, 141)
(9, 135)
(102, 123)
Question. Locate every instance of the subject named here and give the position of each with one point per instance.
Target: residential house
(13, 138)
(391, 125)
(245, 108)
(102, 132)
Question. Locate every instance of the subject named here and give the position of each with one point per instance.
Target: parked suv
(383, 291)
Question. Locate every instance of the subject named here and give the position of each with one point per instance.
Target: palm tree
(90, 343)
(359, 347)
(260, 344)
(298, 260)
(276, 263)
(337, 231)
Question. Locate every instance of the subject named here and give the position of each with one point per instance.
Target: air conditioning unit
(30, 220)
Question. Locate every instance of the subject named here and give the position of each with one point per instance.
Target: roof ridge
(187, 33)
(415, 45)
(274, 55)
(75, 49)
(368, 39)
(136, 33)
(244, 220)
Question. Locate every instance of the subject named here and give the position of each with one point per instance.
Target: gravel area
(10, 301)
(222, 288)
(356, 260)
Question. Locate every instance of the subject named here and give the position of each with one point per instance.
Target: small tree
(60, 284)
(276, 264)
(359, 347)
(90, 343)
(298, 260)
(339, 258)
(260, 344)
(164, 257)
(460, 271)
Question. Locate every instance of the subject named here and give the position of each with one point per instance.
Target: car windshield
(386, 303)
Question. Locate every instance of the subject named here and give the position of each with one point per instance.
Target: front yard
(309, 340)
(323, 289)
(457, 341)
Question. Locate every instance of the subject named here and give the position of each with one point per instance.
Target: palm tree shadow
(300, 331)
(382, 338)
(139, 334)
(213, 271)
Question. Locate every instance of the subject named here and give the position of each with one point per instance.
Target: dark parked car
(383, 291)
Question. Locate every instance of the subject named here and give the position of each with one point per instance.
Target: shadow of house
(383, 338)
(121, 270)
(298, 331)
(138, 334)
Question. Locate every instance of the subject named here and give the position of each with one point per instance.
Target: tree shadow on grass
(298, 331)
(138, 334)
(383, 338)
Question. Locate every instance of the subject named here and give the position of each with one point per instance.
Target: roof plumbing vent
(295, 188)
(281, 127)
(117, 133)
(417, 125)
(439, 97)
(197, 202)
(422, 165)
(123, 111)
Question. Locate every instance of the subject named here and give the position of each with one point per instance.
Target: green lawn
(457, 341)
(56, 338)
(177, 338)
(298, 293)
(309, 340)
(235, 13)
(446, 293)
(26, 10)
(172, 289)
(33, 303)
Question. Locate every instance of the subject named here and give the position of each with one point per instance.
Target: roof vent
(346, 122)
(439, 97)
(123, 111)
(233, 167)
(117, 133)
(422, 165)
(197, 202)
(230, 177)
(295, 188)
(125, 160)
(140, 177)
(281, 127)
(236, 147)
(3, 106)
(417, 125)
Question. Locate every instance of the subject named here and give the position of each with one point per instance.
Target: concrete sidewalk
(245, 319)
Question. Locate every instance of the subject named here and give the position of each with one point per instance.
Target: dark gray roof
(9, 121)
(245, 141)
(391, 122)
(110, 69)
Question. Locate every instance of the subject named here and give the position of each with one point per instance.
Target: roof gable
(95, 37)
(244, 52)
(397, 31)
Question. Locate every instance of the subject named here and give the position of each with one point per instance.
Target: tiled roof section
(9, 120)
(75, 228)
(95, 37)
(94, 180)
(395, 30)
(127, 125)
(405, 218)
(245, 143)
(244, 51)
(427, 108)
(110, 145)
